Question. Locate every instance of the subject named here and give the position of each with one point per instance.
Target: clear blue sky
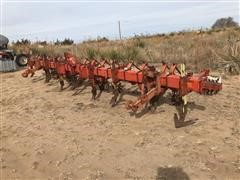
(79, 21)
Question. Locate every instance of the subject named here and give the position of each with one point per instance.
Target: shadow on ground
(172, 173)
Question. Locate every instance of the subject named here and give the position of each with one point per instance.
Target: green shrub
(131, 53)
(91, 53)
(115, 55)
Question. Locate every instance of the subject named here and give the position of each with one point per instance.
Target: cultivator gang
(152, 81)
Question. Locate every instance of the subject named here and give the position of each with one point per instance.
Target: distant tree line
(66, 41)
(22, 42)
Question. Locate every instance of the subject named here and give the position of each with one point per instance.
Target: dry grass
(198, 49)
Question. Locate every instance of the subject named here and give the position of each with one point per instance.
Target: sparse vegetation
(91, 53)
(139, 42)
(99, 39)
(231, 59)
(114, 55)
(209, 48)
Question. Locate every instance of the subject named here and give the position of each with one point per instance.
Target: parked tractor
(8, 55)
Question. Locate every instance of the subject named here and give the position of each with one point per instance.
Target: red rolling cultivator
(152, 83)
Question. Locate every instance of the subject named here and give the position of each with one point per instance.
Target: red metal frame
(150, 81)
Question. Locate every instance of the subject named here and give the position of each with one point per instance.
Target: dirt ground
(48, 134)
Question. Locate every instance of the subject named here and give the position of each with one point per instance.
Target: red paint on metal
(145, 76)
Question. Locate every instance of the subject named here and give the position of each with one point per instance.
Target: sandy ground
(48, 134)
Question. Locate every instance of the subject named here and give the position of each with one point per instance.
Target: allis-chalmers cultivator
(152, 83)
